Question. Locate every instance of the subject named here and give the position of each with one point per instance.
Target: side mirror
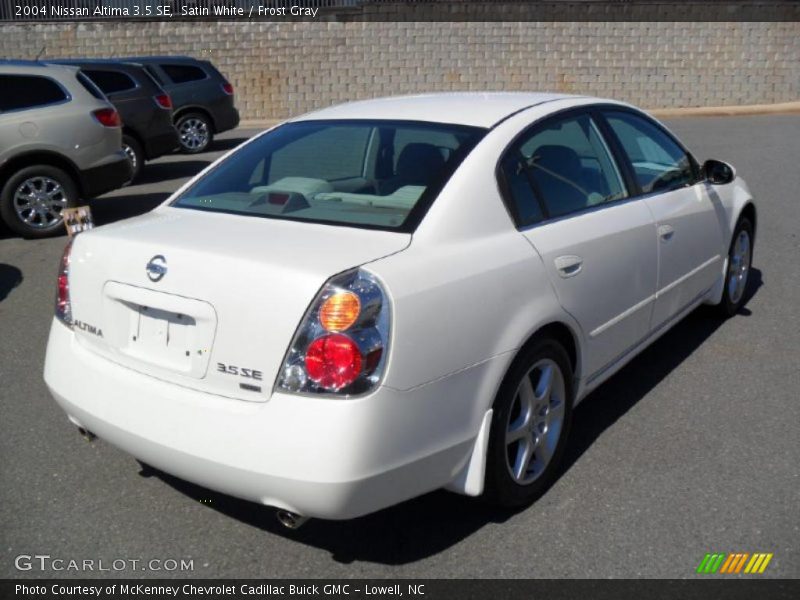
(717, 172)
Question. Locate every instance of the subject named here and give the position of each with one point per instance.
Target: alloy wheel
(739, 267)
(535, 421)
(38, 202)
(194, 133)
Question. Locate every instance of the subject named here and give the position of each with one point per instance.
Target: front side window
(658, 162)
(360, 173)
(29, 91)
(568, 167)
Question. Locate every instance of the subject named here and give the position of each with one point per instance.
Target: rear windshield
(374, 174)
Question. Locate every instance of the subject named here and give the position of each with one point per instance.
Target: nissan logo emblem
(156, 268)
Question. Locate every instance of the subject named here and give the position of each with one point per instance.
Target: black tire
(69, 194)
(191, 144)
(731, 300)
(501, 488)
(135, 154)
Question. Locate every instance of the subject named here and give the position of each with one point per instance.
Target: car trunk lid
(206, 300)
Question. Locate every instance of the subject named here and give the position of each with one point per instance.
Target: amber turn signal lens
(339, 311)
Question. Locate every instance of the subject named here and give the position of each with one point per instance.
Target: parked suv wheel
(194, 132)
(133, 149)
(32, 199)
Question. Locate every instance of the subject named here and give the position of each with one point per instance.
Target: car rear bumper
(108, 176)
(162, 143)
(318, 457)
(226, 119)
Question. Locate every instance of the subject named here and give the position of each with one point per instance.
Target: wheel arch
(749, 211)
(41, 157)
(185, 110)
(129, 131)
(562, 333)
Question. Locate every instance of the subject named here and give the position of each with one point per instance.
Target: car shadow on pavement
(10, 277)
(608, 403)
(425, 526)
(116, 208)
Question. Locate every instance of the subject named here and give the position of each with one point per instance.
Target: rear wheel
(195, 133)
(133, 150)
(740, 258)
(32, 199)
(530, 425)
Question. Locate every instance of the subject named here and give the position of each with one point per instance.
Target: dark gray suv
(202, 98)
(60, 140)
(145, 108)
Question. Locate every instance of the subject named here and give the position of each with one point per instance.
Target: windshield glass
(376, 174)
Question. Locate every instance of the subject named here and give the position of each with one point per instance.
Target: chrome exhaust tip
(86, 434)
(290, 520)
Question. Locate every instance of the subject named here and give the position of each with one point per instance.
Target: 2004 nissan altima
(388, 297)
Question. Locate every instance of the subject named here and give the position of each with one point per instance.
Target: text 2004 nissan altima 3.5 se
(388, 297)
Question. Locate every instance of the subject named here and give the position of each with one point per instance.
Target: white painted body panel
(690, 248)
(467, 290)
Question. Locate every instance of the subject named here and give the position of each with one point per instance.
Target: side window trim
(617, 156)
(610, 134)
(618, 153)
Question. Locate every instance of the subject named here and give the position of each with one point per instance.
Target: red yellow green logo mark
(735, 562)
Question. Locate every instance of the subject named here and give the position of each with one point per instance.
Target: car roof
(26, 66)
(110, 62)
(478, 109)
(159, 59)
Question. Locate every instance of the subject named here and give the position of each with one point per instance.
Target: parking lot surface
(692, 448)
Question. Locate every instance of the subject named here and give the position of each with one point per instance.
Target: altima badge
(156, 268)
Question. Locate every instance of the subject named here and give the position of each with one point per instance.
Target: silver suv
(60, 140)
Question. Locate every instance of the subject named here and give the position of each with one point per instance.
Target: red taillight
(227, 88)
(63, 305)
(164, 101)
(108, 117)
(333, 361)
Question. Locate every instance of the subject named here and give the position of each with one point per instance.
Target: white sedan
(387, 297)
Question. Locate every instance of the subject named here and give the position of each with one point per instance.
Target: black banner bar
(733, 588)
(403, 10)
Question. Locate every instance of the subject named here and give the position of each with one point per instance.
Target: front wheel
(530, 425)
(740, 258)
(32, 199)
(195, 133)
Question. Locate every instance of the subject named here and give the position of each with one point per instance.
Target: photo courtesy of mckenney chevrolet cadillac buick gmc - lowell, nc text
(387, 297)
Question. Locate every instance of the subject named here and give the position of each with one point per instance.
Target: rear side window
(110, 82)
(29, 91)
(525, 204)
(184, 73)
(568, 167)
(658, 162)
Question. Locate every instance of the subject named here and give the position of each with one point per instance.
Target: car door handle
(665, 232)
(568, 266)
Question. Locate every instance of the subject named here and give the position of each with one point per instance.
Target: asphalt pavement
(694, 447)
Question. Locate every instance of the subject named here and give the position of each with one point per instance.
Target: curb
(782, 108)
